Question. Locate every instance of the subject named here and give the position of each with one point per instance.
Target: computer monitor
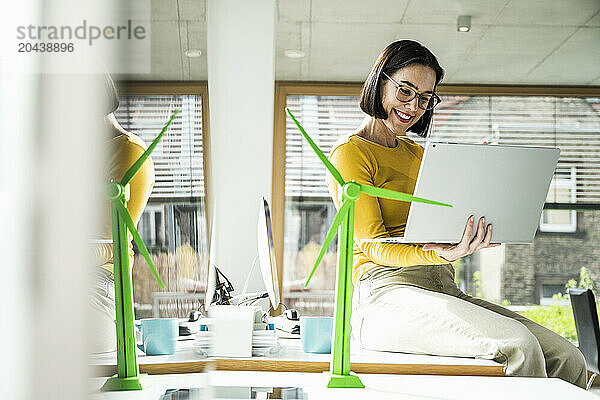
(266, 256)
(266, 253)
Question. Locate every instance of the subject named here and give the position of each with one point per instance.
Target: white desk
(293, 359)
(377, 386)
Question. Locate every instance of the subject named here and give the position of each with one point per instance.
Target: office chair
(588, 331)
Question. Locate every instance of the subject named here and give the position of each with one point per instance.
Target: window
(173, 225)
(507, 273)
(309, 209)
(563, 189)
(549, 290)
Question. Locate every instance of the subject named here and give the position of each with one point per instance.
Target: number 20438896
(46, 47)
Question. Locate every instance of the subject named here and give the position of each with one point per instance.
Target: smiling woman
(405, 296)
(403, 62)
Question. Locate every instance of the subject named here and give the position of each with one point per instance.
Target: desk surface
(376, 386)
(293, 359)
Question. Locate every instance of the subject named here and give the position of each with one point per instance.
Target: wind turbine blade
(391, 194)
(123, 213)
(334, 172)
(140, 161)
(330, 235)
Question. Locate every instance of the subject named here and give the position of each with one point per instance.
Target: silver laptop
(507, 185)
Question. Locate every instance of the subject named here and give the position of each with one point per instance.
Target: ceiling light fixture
(463, 23)
(294, 54)
(193, 53)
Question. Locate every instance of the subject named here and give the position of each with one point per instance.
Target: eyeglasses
(405, 93)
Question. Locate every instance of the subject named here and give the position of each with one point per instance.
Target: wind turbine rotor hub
(352, 190)
(114, 191)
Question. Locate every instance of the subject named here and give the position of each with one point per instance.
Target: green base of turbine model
(128, 376)
(343, 224)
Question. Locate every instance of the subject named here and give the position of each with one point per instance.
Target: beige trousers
(101, 305)
(420, 310)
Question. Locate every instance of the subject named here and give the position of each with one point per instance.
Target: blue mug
(316, 334)
(157, 336)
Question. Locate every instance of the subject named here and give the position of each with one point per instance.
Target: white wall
(51, 130)
(240, 53)
(18, 92)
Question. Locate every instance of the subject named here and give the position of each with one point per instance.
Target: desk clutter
(288, 322)
(264, 343)
(265, 332)
(236, 331)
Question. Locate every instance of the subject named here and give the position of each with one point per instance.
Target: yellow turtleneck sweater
(396, 168)
(124, 150)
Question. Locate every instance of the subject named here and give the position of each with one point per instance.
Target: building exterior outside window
(563, 189)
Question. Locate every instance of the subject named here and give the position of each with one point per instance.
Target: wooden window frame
(286, 88)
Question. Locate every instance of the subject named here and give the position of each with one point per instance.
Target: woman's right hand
(453, 252)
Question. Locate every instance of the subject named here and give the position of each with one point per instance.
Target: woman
(124, 148)
(405, 296)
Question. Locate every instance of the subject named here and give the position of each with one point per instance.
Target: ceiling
(529, 42)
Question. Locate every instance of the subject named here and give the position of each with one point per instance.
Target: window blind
(178, 166)
(571, 123)
(326, 119)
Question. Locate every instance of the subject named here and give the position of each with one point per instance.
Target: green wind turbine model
(343, 224)
(128, 376)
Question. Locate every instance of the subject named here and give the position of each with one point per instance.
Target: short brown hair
(396, 55)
